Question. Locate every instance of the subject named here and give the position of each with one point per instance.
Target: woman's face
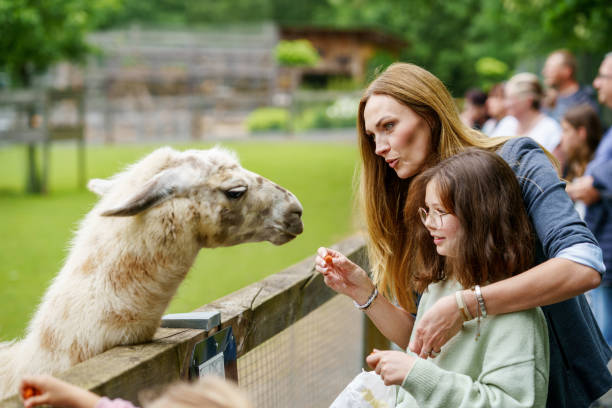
(571, 138)
(518, 104)
(444, 228)
(401, 136)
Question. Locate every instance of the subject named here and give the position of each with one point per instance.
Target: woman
(407, 121)
(524, 95)
(499, 122)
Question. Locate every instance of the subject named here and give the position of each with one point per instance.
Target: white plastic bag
(367, 390)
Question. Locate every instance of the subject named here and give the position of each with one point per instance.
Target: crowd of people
(480, 250)
(563, 117)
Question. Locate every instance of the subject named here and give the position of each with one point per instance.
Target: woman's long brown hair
(495, 240)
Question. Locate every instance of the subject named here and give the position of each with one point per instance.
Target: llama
(134, 248)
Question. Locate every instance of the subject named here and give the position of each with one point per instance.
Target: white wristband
(369, 301)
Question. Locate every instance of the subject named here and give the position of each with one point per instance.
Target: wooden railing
(256, 313)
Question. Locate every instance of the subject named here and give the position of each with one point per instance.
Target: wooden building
(344, 52)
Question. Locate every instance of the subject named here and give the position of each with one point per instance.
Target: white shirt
(546, 131)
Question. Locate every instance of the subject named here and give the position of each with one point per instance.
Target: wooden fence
(256, 314)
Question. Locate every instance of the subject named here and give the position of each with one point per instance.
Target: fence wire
(309, 363)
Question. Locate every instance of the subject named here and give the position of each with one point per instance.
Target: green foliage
(378, 63)
(296, 53)
(491, 67)
(490, 71)
(35, 34)
(40, 227)
(268, 118)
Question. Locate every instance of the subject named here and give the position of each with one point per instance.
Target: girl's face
(401, 136)
(571, 138)
(442, 226)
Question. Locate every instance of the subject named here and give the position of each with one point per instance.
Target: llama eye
(235, 193)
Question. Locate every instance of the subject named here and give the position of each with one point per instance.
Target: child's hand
(392, 366)
(48, 390)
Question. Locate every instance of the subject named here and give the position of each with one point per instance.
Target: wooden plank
(126, 370)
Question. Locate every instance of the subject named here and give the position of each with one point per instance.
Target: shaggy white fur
(135, 247)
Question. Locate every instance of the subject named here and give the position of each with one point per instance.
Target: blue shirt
(598, 215)
(584, 95)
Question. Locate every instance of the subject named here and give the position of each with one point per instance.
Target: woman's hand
(437, 326)
(344, 276)
(52, 391)
(392, 366)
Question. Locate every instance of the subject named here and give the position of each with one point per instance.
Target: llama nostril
(298, 213)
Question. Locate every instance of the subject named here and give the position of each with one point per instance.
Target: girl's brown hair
(582, 116)
(382, 194)
(496, 240)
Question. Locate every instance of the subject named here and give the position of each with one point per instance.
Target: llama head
(223, 203)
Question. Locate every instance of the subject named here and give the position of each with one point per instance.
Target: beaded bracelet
(463, 310)
(369, 301)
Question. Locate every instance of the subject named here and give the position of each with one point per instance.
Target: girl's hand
(392, 366)
(343, 276)
(52, 391)
(437, 326)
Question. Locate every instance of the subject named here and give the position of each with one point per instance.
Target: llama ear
(160, 188)
(99, 186)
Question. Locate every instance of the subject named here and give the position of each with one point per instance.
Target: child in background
(207, 392)
(581, 134)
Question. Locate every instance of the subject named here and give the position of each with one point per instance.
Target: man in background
(595, 190)
(564, 91)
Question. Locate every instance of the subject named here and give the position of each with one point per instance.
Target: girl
(579, 139)
(470, 228)
(407, 121)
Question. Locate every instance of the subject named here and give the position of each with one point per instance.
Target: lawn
(35, 231)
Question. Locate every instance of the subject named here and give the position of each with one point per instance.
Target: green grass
(35, 231)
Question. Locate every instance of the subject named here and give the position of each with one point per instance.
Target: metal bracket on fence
(194, 320)
(214, 355)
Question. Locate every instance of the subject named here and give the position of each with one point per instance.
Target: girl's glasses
(434, 215)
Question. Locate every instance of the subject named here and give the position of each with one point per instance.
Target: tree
(36, 34)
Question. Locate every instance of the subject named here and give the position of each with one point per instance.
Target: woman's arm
(550, 282)
(345, 277)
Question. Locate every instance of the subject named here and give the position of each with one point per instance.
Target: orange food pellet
(29, 392)
(329, 260)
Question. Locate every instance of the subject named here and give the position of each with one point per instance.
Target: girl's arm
(345, 277)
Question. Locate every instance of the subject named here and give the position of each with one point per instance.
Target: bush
(298, 53)
(342, 113)
(268, 118)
